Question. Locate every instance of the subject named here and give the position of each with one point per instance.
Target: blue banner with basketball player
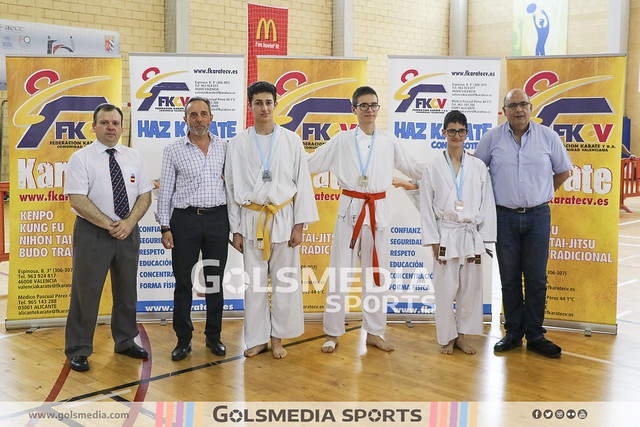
(582, 99)
(160, 87)
(540, 27)
(422, 90)
(51, 104)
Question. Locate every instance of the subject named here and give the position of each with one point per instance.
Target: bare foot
(329, 345)
(260, 348)
(448, 348)
(276, 348)
(377, 341)
(463, 345)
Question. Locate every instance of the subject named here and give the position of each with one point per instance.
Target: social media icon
(548, 413)
(571, 414)
(559, 414)
(582, 414)
(536, 414)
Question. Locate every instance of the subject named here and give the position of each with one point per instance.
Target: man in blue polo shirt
(528, 162)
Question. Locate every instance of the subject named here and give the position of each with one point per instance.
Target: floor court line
(104, 396)
(186, 370)
(133, 406)
(145, 372)
(57, 386)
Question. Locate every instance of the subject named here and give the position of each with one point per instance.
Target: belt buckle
(200, 211)
(521, 210)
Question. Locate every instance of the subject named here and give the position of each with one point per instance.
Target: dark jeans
(523, 249)
(192, 234)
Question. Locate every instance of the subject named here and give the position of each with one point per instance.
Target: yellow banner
(582, 99)
(51, 104)
(314, 100)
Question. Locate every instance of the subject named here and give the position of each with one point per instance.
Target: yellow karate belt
(262, 233)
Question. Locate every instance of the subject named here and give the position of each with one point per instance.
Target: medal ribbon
(363, 169)
(267, 164)
(453, 174)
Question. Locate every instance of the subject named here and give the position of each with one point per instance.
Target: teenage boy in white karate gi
(363, 160)
(270, 198)
(458, 218)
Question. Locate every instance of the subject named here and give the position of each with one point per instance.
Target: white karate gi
(461, 235)
(339, 156)
(290, 178)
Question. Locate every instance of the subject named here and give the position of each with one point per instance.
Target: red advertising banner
(267, 29)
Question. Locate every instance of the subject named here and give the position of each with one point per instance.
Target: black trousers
(194, 234)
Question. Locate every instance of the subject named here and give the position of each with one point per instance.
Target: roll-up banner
(422, 90)
(582, 99)
(160, 87)
(51, 104)
(314, 100)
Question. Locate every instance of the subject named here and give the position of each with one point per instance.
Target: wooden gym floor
(599, 368)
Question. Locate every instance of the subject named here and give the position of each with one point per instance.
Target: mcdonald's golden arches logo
(268, 25)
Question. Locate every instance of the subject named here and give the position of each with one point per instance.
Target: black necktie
(120, 198)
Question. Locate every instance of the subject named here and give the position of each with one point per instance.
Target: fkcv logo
(51, 106)
(409, 91)
(290, 114)
(546, 110)
(154, 86)
(267, 27)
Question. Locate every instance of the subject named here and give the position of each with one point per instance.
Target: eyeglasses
(515, 105)
(453, 132)
(365, 107)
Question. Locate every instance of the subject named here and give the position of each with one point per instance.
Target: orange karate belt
(370, 201)
(262, 233)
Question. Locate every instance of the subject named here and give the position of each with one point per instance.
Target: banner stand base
(161, 317)
(32, 324)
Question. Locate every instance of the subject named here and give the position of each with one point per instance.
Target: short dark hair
(197, 98)
(260, 87)
(454, 116)
(106, 107)
(362, 90)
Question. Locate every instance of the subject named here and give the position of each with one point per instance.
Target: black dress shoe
(545, 347)
(216, 347)
(507, 343)
(79, 363)
(135, 351)
(181, 350)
